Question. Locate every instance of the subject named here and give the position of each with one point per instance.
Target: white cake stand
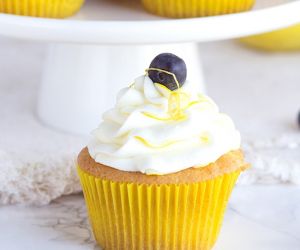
(107, 44)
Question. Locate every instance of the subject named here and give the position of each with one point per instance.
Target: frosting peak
(157, 131)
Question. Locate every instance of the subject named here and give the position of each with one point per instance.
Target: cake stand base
(80, 82)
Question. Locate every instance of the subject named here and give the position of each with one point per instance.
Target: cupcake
(287, 39)
(159, 169)
(196, 8)
(41, 8)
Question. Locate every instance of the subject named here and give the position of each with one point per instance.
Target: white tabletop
(258, 218)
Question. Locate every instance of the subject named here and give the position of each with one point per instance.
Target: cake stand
(107, 44)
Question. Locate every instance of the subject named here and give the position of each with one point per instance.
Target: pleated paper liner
(287, 39)
(196, 8)
(41, 8)
(144, 216)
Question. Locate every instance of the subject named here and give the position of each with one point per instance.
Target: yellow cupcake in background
(287, 39)
(196, 8)
(41, 8)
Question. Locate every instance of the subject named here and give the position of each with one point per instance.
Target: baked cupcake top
(163, 124)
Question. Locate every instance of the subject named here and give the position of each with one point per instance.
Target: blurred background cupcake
(196, 8)
(280, 40)
(41, 8)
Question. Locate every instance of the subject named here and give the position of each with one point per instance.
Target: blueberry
(171, 63)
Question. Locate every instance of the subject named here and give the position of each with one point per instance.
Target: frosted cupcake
(41, 8)
(160, 168)
(196, 8)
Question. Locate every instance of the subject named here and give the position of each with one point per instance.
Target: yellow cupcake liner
(280, 40)
(41, 8)
(166, 216)
(196, 8)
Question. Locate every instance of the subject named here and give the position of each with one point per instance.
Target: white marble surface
(258, 218)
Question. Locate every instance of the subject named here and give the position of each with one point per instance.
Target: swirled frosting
(157, 131)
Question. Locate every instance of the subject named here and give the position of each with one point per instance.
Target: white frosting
(141, 134)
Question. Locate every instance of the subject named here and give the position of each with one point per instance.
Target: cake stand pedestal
(108, 44)
(81, 81)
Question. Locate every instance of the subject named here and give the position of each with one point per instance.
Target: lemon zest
(148, 144)
(156, 117)
(191, 104)
(176, 98)
(175, 106)
(159, 85)
(205, 137)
